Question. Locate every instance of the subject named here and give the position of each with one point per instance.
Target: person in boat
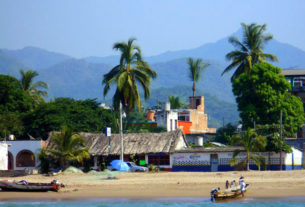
(242, 185)
(227, 184)
(233, 184)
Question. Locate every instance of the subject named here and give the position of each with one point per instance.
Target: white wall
(3, 156)
(32, 145)
(163, 119)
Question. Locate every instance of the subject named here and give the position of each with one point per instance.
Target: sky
(82, 28)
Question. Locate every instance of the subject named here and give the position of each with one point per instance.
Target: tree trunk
(194, 89)
(248, 161)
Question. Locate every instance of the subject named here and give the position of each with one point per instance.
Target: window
(171, 125)
(25, 158)
(158, 159)
(176, 124)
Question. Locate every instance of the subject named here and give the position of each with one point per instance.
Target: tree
(224, 134)
(195, 70)
(68, 146)
(10, 123)
(83, 115)
(262, 94)
(249, 51)
(35, 90)
(131, 71)
(251, 143)
(12, 97)
(175, 102)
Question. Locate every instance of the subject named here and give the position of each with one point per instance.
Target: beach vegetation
(37, 90)
(44, 164)
(84, 115)
(68, 146)
(131, 71)
(249, 51)
(251, 143)
(196, 67)
(224, 134)
(175, 103)
(263, 94)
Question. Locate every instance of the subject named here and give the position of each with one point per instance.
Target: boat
(231, 193)
(9, 185)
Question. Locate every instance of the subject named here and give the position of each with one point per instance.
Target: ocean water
(156, 202)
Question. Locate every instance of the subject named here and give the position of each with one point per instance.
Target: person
(213, 193)
(227, 184)
(242, 185)
(233, 184)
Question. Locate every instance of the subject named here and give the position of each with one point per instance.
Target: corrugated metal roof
(209, 149)
(293, 72)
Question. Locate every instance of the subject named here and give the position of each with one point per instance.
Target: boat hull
(29, 187)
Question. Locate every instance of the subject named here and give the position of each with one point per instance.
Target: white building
(3, 156)
(23, 154)
(218, 159)
(167, 118)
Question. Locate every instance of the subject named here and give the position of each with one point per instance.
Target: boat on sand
(9, 185)
(230, 193)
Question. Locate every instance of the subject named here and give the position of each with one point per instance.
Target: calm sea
(155, 202)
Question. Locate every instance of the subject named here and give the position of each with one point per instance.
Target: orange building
(194, 120)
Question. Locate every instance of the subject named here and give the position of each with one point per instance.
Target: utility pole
(121, 132)
(281, 144)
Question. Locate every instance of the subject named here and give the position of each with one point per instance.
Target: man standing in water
(242, 185)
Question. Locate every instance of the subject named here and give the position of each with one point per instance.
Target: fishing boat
(231, 193)
(9, 185)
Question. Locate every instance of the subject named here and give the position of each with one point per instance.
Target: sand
(165, 184)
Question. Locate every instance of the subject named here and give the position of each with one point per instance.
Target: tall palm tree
(251, 143)
(249, 51)
(34, 89)
(131, 71)
(195, 70)
(68, 146)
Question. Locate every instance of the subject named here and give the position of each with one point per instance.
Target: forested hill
(81, 78)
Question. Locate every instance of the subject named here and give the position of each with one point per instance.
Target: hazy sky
(90, 27)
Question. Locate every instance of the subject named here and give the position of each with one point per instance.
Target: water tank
(199, 141)
(167, 106)
(11, 137)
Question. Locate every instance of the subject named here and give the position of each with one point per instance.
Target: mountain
(36, 58)
(74, 78)
(175, 72)
(9, 65)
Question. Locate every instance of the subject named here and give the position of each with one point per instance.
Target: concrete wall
(31, 145)
(201, 161)
(3, 156)
(167, 119)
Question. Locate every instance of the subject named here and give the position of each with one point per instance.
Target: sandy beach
(165, 184)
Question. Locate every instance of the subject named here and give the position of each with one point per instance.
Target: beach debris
(72, 170)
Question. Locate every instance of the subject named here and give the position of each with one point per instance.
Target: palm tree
(175, 102)
(249, 51)
(251, 143)
(195, 69)
(68, 146)
(33, 89)
(131, 71)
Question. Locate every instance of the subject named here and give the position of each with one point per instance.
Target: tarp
(120, 165)
(72, 169)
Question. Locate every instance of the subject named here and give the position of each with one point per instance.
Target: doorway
(214, 162)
